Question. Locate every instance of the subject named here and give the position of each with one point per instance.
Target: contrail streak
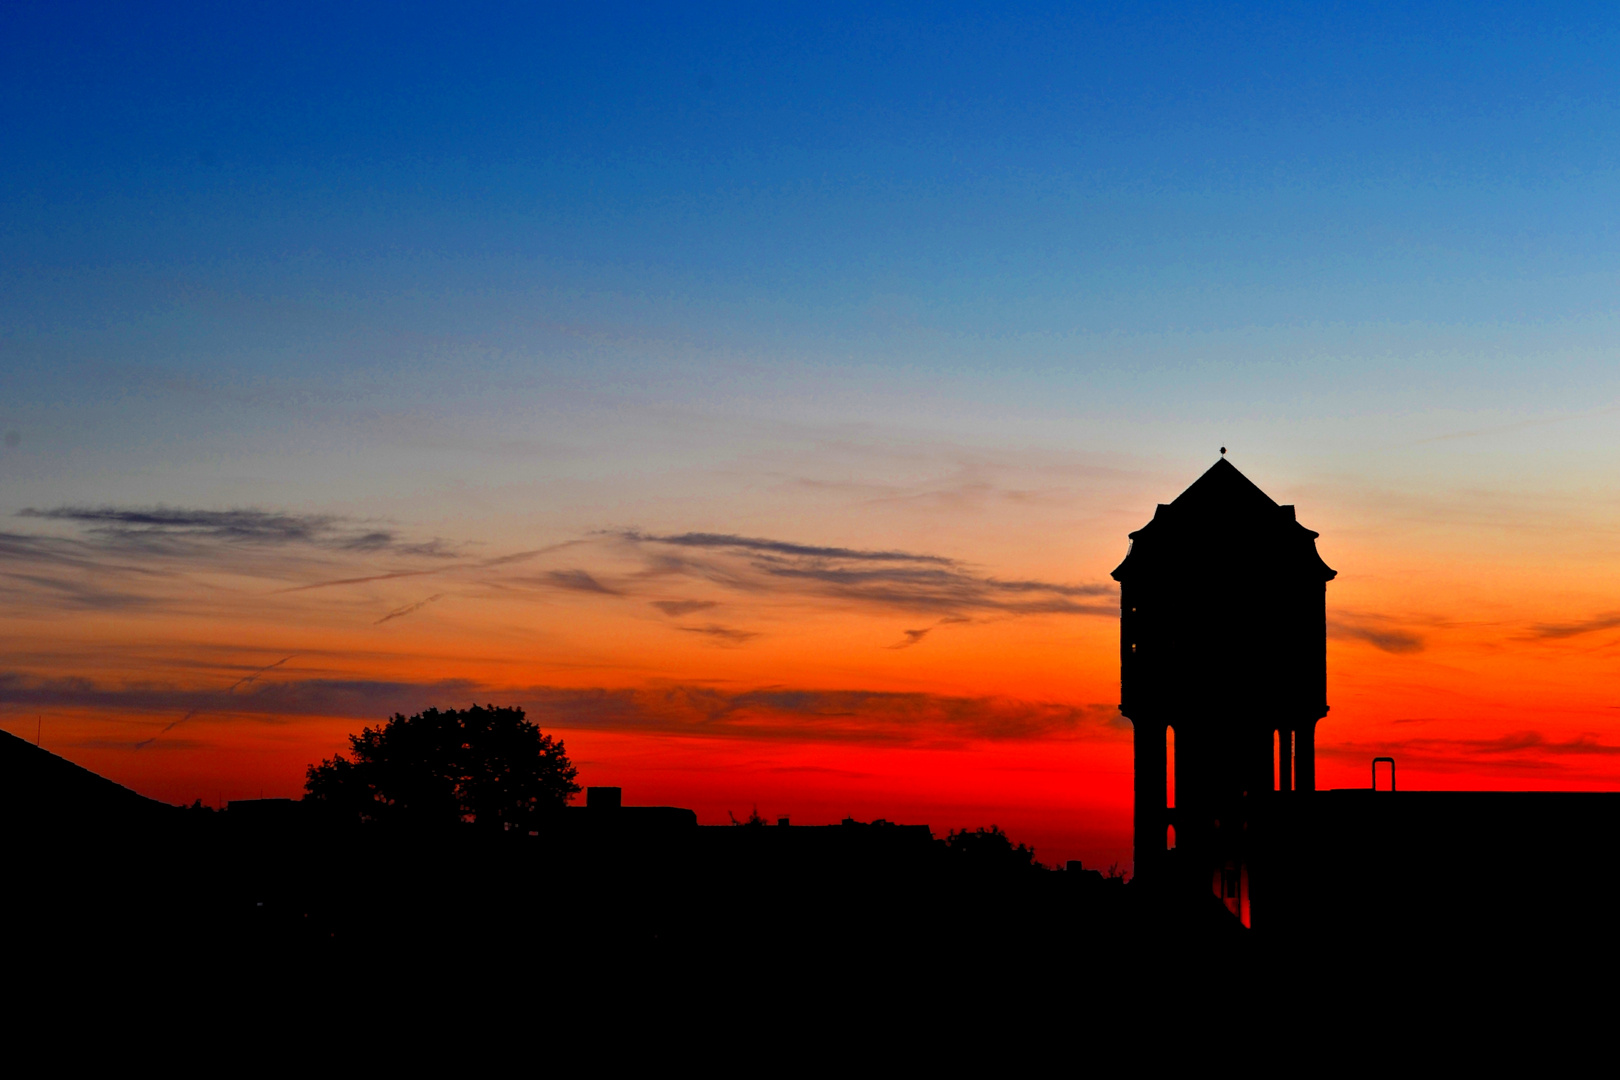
(363, 580)
(498, 560)
(243, 681)
(398, 613)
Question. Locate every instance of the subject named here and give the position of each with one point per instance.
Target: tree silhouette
(989, 849)
(752, 819)
(483, 765)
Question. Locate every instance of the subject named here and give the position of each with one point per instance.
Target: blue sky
(1188, 217)
(769, 177)
(1304, 230)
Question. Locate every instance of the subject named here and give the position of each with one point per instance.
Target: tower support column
(1151, 819)
(1285, 759)
(1305, 757)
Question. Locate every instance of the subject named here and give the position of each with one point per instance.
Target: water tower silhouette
(1223, 654)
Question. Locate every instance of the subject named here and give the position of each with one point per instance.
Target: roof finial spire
(1223, 451)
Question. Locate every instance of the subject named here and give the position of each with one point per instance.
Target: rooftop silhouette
(38, 790)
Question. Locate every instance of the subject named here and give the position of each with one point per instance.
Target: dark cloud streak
(676, 608)
(1519, 750)
(288, 549)
(782, 547)
(577, 581)
(771, 713)
(1563, 630)
(722, 634)
(178, 530)
(891, 579)
(1374, 633)
(912, 638)
(79, 595)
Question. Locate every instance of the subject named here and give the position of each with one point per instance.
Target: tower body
(1223, 653)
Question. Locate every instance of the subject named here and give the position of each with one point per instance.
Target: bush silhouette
(989, 849)
(752, 819)
(481, 765)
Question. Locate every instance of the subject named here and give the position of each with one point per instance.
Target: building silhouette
(1223, 675)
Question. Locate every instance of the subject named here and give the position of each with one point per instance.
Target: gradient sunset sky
(761, 395)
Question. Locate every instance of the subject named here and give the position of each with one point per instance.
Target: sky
(761, 396)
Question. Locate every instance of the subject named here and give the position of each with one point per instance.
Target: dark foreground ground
(587, 907)
(632, 936)
(632, 913)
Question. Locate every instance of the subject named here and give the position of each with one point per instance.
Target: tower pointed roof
(1223, 486)
(1224, 516)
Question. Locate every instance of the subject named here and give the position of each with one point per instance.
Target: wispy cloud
(122, 557)
(727, 635)
(1589, 626)
(58, 550)
(178, 529)
(898, 580)
(676, 608)
(71, 593)
(577, 581)
(115, 558)
(913, 637)
(1377, 631)
(357, 698)
(731, 541)
(1518, 750)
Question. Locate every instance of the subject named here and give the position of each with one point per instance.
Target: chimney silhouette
(1223, 653)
